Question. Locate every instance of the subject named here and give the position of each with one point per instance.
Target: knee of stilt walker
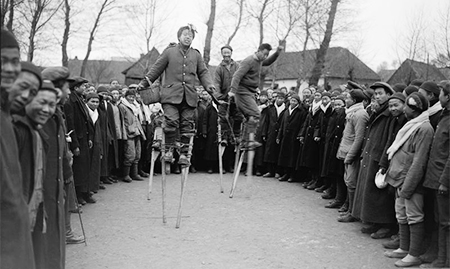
(252, 124)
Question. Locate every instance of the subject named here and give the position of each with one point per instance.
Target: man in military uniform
(182, 65)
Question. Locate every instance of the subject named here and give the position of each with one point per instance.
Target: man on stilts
(243, 88)
(181, 66)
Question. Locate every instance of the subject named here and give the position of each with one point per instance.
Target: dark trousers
(179, 118)
(230, 118)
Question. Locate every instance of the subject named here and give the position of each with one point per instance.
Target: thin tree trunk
(322, 52)
(209, 33)
(65, 57)
(91, 39)
(31, 45)
(11, 16)
(238, 25)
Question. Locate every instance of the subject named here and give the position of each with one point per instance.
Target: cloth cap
(263, 92)
(77, 81)
(31, 68)
(430, 86)
(398, 95)
(399, 87)
(383, 85)
(416, 82)
(92, 95)
(102, 88)
(130, 92)
(47, 85)
(296, 97)
(56, 73)
(410, 89)
(368, 93)
(445, 86)
(226, 47)
(417, 101)
(341, 97)
(8, 40)
(353, 85)
(358, 95)
(281, 94)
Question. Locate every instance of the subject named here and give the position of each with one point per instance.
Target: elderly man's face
(226, 54)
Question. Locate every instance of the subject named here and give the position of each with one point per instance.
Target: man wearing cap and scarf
(270, 130)
(373, 205)
(16, 249)
(431, 91)
(27, 83)
(228, 112)
(350, 147)
(259, 152)
(182, 66)
(287, 137)
(56, 130)
(437, 179)
(408, 157)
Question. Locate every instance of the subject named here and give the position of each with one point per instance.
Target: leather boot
(134, 173)
(126, 174)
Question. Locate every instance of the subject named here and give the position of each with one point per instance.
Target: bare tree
(36, 14)
(289, 15)
(99, 71)
(106, 6)
(322, 51)
(7, 8)
(261, 14)
(442, 43)
(239, 20)
(209, 33)
(410, 43)
(65, 57)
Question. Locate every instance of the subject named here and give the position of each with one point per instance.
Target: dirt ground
(280, 225)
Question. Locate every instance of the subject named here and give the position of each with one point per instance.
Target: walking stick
(79, 213)
(163, 176)
(221, 150)
(155, 154)
(184, 177)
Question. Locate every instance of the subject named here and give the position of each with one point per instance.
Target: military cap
(383, 85)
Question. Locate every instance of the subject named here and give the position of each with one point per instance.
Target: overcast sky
(374, 37)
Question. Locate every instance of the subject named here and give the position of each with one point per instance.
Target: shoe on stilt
(184, 160)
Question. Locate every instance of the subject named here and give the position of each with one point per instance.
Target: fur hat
(416, 82)
(399, 87)
(358, 95)
(417, 102)
(91, 95)
(383, 85)
(410, 89)
(430, 86)
(398, 95)
(31, 68)
(296, 97)
(8, 40)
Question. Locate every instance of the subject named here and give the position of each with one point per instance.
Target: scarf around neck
(405, 132)
(132, 107)
(93, 114)
(315, 107)
(324, 108)
(279, 108)
(434, 109)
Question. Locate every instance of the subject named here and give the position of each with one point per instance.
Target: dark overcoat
(105, 135)
(49, 247)
(113, 154)
(321, 132)
(371, 203)
(270, 130)
(14, 219)
(77, 121)
(288, 136)
(332, 166)
(309, 156)
(395, 124)
(210, 129)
